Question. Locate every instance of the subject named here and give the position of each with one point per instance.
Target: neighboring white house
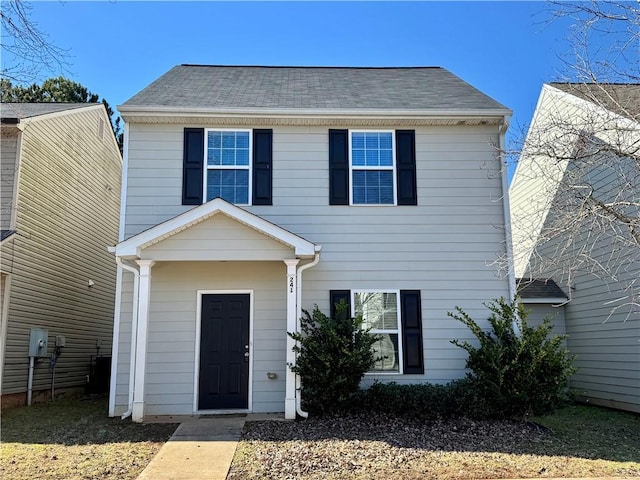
(575, 215)
(251, 193)
(59, 194)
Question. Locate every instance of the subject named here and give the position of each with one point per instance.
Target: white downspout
(134, 333)
(315, 261)
(507, 209)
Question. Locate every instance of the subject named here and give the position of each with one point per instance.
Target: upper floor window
(232, 164)
(228, 165)
(372, 168)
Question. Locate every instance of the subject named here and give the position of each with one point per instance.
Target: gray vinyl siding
(9, 138)
(445, 247)
(606, 344)
(67, 214)
(538, 312)
(218, 238)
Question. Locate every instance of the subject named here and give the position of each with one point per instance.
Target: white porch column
(144, 297)
(292, 289)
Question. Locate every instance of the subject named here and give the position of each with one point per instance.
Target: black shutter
(338, 167)
(335, 296)
(262, 166)
(406, 167)
(411, 311)
(192, 166)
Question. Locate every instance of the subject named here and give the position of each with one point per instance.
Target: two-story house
(251, 193)
(60, 200)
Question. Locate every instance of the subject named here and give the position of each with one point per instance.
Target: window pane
(357, 157)
(242, 186)
(373, 186)
(228, 139)
(215, 139)
(385, 141)
(371, 141)
(372, 158)
(386, 158)
(379, 310)
(359, 187)
(231, 185)
(387, 348)
(242, 140)
(213, 156)
(242, 157)
(228, 157)
(357, 140)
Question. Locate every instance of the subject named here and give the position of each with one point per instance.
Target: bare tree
(576, 192)
(27, 51)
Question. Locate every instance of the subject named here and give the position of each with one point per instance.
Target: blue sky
(506, 49)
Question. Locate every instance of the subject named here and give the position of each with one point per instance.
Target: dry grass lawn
(576, 442)
(75, 440)
(72, 439)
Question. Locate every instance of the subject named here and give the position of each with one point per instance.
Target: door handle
(246, 356)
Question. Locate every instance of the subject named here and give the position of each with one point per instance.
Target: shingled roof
(312, 88)
(539, 288)
(620, 98)
(27, 110)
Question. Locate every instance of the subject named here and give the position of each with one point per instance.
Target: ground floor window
(381, 313)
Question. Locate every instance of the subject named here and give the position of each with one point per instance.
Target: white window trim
(208, 167)
(366, 167)
(398, 320)
(196, 376)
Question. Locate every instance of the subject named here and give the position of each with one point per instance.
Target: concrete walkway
(200, 448)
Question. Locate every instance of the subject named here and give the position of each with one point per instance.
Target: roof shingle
(311, 88)
(620, 98)
(27, 110)
(539, 288)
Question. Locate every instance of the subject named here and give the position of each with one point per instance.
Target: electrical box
(61, 341)
(38, 342)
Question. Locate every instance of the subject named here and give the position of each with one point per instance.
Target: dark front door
(224, 352)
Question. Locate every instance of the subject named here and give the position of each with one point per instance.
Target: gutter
(304, 267)
(134, 333)
(151, 110)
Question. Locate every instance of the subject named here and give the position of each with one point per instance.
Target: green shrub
(423, 401)
(333, 356)
(515, 372)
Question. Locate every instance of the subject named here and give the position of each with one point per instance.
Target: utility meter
(38, 342)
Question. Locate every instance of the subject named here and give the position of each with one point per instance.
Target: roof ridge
(313, 66)
(595, 83)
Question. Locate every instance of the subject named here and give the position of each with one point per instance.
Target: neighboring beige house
(60, 197)
(251, 193)
(579, 167)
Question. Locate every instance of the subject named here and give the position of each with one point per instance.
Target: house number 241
(290, 283)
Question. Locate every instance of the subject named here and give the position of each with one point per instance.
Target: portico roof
(132, 247)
